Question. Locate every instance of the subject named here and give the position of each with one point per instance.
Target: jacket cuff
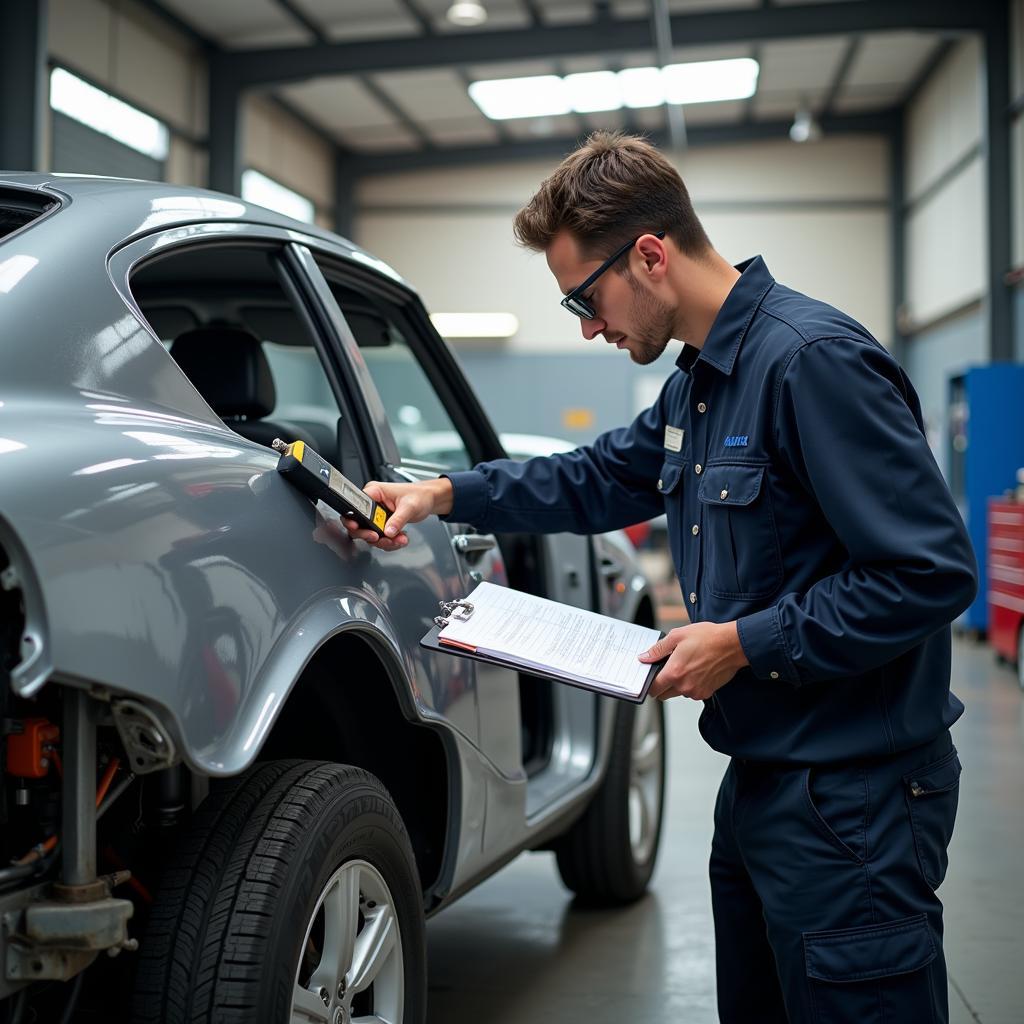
(470, 497)
(765, 647)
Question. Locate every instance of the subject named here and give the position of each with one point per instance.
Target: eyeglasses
(575, 303)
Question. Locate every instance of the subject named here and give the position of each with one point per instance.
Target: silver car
(225, 755)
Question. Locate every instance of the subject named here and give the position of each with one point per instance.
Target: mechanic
(821, 558)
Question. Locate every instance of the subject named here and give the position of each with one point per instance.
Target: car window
(228, 322)
(423, 430)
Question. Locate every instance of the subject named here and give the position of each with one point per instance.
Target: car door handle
(610, 569)
(473, 543)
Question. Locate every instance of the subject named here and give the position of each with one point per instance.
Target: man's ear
(654, 256)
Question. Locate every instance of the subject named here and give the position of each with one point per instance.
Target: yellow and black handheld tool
(320, 481)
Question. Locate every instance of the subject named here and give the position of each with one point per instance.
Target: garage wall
(816, 212)
(137, 56)
(946, 254)
(284, 149)
(133, 54)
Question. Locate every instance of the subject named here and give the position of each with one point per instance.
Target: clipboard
(463, 609)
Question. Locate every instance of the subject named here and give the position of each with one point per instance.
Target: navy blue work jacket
(802, 501)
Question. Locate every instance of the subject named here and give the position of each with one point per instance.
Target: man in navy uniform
(821, 559)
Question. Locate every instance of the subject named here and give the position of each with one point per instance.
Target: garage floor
(515, 950)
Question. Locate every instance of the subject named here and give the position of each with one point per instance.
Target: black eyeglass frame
(583, 309)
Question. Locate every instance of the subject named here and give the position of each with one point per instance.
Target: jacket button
(701, 407)
(774, 675)
(724, 495)
(695, 529)
(697, 468)
(660, 484)
(693, 597)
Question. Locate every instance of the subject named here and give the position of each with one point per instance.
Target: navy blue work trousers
(823, 884)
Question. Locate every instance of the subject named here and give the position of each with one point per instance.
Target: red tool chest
(1005, 575)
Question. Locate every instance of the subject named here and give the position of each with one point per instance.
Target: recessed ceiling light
(537, 96)
(547, 95)
(467, 13)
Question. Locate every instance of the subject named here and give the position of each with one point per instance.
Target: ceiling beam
(556, 147)
(268, 66)
(842, 73)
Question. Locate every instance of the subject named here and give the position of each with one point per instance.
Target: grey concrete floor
(515, 950)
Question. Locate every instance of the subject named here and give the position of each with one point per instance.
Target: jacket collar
(730, 327)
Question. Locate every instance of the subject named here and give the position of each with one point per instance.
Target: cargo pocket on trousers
(933, 793)
(871, 973)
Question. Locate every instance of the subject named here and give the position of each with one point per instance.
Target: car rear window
(18, 208)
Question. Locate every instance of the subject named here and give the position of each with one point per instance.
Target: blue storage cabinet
(986, 448)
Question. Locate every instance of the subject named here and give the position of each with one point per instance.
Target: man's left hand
(703, 657)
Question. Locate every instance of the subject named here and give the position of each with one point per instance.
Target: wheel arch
(357, 718)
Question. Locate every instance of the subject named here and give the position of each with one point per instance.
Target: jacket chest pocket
(741, 546)
(671, 487)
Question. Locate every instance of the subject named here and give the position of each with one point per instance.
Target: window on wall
(263, 191)
(97, 133)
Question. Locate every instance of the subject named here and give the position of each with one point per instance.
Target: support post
(78, 793)
(998, 179)
(898, 234)
(23, 84)
(225, 133)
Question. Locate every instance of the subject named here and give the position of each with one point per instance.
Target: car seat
(228, 367)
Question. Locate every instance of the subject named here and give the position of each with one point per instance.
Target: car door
(421, 439)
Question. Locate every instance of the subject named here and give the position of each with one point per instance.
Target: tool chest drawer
(1005, 558)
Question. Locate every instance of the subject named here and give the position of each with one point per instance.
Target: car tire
(241, 917)
(607, 857)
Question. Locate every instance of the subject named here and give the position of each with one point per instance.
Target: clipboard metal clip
(459, 610)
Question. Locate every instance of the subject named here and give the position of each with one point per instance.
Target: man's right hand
(407, 503)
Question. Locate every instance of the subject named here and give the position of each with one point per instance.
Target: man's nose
(592, 328)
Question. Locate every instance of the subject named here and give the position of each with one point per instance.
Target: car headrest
(228, 368)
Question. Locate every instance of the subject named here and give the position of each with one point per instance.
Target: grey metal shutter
(80, 149)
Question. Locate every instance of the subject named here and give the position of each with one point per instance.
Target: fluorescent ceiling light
(642, 87)
(263, 191)
(467, 13)
(103, 113)
(593, 90)
(504, 98)
(475, 325)
(547, 95)
(709, 81)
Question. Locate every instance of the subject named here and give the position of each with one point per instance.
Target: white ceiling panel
(891, 58)
(543, 127)
(342, 104)
(566, 12)
(642, 8)
(771, 106)
(462, 131)
(805, 65)
(241, 23)
(379, 139)
(866, 98)
(726, 112)
(512, 69)
(428, 95)
(360, 19)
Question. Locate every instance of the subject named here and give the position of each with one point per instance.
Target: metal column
(225, 127)
(23, 84)
(898, 234)
(78, 795)
(998, 179)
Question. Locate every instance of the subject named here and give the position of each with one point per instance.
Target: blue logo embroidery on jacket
(737, 441)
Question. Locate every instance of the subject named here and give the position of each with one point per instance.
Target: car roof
(114, 210)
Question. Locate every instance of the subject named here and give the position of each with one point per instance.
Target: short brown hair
(613, 188)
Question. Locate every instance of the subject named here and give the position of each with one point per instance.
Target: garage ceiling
(403, 108)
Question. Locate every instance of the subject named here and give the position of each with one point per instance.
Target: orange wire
(47, 845)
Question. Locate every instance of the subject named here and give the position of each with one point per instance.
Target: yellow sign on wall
(577, 419)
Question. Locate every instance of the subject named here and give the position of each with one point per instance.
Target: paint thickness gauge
(320, 481)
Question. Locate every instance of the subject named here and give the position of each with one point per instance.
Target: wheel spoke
(341, 921)
(374, 946)
(307, 1006)
(647, 754)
